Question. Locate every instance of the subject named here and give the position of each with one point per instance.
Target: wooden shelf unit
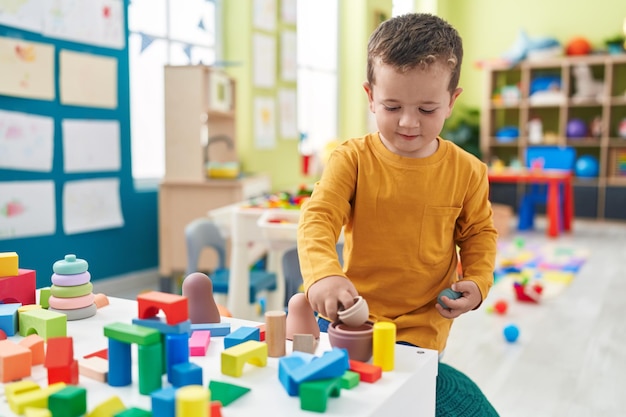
(609, 107)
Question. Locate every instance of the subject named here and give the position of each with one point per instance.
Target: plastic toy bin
(280, 227)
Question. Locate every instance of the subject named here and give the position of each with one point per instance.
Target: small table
(410, 386)
(557, 211)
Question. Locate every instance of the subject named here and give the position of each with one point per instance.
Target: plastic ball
(450, 293)
(511, 333)
(576, 128)
(587, 166)
(500, 307)
(578, 46)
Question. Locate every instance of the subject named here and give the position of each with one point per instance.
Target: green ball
(450, 293)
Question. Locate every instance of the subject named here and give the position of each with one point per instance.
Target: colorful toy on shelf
(586, 86)
(576, 128)
(578, 46)
(587, 166)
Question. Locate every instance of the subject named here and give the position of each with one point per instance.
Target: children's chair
(203, 233)
(543, 157)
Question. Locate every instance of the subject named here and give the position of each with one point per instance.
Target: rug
(543, 269)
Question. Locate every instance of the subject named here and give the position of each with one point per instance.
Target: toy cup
(358, 341)
(356, 315)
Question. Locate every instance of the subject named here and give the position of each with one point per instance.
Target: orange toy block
(19, 288)
(35, 343)
(94, 367)
(175, 307)
(368, 373)
(15, 361)
(8, 264)
(101, 300)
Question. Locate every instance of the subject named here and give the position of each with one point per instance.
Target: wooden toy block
(368, 373)
(314, 394)
(276, 333)
(175, 307)
(44, 296)
(133, 412)
(225, 392)
(150, 360)
(19, 288)
(350, 380)
(61, 352)
(15, 361)
(34, 398)
(132, 333)
(37, 412)
(102, 353)
(9, 264)
(163, 402)
(3, 335)
(68, 374)
(234, 358)
(101, 300)
(184, 374)
(217, 329)
(108, 407)
(24, 309)
(192, 401)
(20, 387)
(262, 329)
(176, 351)
(199, 342)
(332, 364)
(383, 345)
(241, 335)
(286, 366)
(120, 364)
(70, 401)
(159, 323)
(35, 343)
(304, 343)
(9, 318)
(94, 367)
(215, 409)
(45, 323)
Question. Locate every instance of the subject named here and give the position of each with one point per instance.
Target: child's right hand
(327, 294)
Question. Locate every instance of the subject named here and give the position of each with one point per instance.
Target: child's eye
(426, 111)
(391, 108)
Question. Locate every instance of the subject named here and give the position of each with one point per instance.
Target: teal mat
(459, 396)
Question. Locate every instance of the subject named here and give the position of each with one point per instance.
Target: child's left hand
(470, 299)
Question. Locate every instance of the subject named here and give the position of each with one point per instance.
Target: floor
(570, 357)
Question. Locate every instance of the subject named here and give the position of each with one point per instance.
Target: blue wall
(112, 252)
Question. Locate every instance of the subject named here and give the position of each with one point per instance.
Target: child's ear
(455, 94)
(370, 95)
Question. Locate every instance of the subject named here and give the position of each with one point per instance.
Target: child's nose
(410, 119)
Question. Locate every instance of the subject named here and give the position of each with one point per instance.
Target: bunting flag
(201, 25)
(146, 41)
(187, 51)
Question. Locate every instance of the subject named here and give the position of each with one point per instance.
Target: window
(317, 72)
(174, 32)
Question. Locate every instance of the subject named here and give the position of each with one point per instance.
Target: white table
(407, 390)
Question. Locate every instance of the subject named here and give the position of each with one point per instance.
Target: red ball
(578, 46)
(500, 307)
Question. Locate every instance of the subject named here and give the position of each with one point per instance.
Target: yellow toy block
(9, 264)
(384, 342)
(108, 408)
(192, 401)
(20, 387)
(34, 398)
(234, 358)
(37, 412)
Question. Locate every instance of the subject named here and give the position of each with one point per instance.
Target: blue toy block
(294, 370)
(287, 365)
(164, 402)
(120, 364)
(9, 318)
(160, 324)
(184, 374)
(217, 329)
(176, 351)
(242, 334)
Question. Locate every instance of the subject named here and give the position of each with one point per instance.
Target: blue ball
(511, 333)
(450, 293)
(587, 166)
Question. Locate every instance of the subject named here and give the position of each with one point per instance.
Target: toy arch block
(314, 394)
(19, 288)
(45, 323)
(175, 307)
(234, 358)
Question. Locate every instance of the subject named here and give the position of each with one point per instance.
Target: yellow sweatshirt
(403, 218)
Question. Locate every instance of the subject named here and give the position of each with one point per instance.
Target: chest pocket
(437, 236)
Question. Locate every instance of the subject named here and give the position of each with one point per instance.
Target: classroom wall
(111, 252)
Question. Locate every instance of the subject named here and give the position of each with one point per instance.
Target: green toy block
(350, 380)
(226, 393)
(150, 367)
(71, 401)
(134, 412)
(45, 323)
(132, 333)
(314, 394)
(44, 296)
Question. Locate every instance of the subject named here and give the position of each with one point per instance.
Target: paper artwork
(27, 208)
(27, 69)
(26, 141)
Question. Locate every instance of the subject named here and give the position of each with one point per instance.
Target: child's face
(411, 107)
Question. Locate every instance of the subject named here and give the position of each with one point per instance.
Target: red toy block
(35, 343)
(8, 264)
(261, 332)
(175, 307)
(215, 408)
(104, 354)
(15, 361)
(68, 374)
(199, 342)
(60, 352)
(20, 288)
(368, 373)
